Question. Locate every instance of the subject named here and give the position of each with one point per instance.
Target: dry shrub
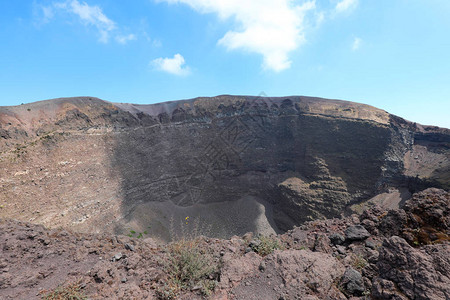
(71, 291)
(189, 267)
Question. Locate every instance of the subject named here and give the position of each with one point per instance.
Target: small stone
(129, 247)
(232, 249)
(117, 257)
(336, 238)
(262, 266)
(123, 280)
(254, 244)
(370, 244)
(222, 253)
(341, 250)
(248, 249)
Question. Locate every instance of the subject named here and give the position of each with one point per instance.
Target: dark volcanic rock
(424, 220)
(352, 281)
(430, 212)
(418, 274)
(337, 239)
(317, 199)
(356, 233)
(385, 289)
(4, 134)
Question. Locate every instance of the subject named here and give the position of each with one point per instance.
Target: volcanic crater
(219, 166)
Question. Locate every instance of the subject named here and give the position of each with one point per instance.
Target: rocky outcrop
(323, 196)
(424, 219)
(416, 273)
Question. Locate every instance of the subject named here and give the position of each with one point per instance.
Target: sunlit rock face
(218, 166)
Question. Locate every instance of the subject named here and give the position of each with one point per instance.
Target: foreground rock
(313, 261)
(417, 273)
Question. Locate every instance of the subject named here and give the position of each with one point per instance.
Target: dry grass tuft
(189, 268)
(71, 291)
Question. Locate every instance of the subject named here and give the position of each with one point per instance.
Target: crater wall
(218, 166)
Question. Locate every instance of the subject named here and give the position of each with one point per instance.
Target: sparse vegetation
(189, 268)
(68, 292)
(138, 235)
(46, 137)
(358, 262)
(265, 245)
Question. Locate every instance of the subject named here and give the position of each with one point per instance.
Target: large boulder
(352, 281)
(356, 233)
(417, 273)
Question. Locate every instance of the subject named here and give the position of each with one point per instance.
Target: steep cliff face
(231, 164)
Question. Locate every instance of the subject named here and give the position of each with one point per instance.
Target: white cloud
(356, 43)
(123, 39)
(171, 65)
(346, 5)
(271, 28)
(89, 15)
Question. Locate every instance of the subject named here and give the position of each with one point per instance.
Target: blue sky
(392, 54)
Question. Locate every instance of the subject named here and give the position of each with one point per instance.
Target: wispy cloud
(123, 39)
(271, 28)
(173, 65)
(47, 13)
(42, 14)
(320, 17)
(88, 15)
(346, 5)
(356, 43)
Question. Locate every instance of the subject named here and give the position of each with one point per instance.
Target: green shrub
(139, 235)
(265, 245)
